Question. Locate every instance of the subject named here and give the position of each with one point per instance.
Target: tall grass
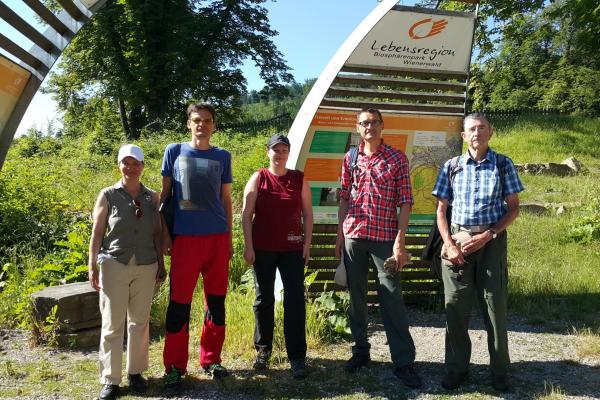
(553, 278)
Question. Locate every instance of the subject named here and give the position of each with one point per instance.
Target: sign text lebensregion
(417, 41)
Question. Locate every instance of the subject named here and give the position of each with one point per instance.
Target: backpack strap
(501, 165)
(353, 160)
(453, 169)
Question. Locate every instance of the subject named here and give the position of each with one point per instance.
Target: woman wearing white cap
(125, 263)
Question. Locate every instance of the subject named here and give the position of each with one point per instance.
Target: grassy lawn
(553, 280)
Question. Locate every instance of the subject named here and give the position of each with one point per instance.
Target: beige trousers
(126, 292)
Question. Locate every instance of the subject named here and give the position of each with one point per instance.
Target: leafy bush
(586, 228)
(32, 211)
(332, 307)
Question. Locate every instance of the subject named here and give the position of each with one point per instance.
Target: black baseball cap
(276, 139)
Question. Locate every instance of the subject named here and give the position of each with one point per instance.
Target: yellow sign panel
(427, 140)
(12, 83)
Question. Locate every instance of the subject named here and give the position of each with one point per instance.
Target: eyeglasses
(138, 209)
(202, 120)
(373, 122)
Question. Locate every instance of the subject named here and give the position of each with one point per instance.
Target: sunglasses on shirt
(138, 209)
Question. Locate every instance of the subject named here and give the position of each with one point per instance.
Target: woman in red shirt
(277, 220)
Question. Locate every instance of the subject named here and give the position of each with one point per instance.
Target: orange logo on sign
(418, 30)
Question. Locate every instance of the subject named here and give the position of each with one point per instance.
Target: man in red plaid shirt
(371, 227)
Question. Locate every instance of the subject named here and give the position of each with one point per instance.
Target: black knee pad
(177, 316)
(216, 309)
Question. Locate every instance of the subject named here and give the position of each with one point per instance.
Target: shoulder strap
(177, 153)
(353, 157)
(352, 161)
(453, 168)
(501, 165)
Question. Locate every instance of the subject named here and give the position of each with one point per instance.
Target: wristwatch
(493, 232)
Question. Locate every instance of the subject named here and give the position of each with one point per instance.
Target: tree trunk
(124, 120)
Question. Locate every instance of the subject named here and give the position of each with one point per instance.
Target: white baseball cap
(130, 150)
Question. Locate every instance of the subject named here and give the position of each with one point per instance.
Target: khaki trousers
(126, 292)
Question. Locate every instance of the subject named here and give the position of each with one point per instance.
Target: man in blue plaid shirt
(482, 188)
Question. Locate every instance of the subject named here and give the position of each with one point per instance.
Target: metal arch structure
(412, 64)
(341, 62)
(19, 81)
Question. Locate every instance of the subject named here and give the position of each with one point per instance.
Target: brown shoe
(453, 380)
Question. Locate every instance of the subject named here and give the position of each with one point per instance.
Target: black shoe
(409, 376)
(217, 371)
(262, 361)
(137, 383)
(299, 370)
(109, 392)
(356, 362)
(453, 380)
(500, 383)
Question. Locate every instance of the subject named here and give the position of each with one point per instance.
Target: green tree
(541, 62)
(151, 57)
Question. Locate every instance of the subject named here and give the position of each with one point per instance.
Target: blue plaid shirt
(477, 193)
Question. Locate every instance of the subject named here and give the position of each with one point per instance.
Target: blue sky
(310, 32)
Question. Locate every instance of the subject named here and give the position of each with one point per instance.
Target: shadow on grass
(327, 379)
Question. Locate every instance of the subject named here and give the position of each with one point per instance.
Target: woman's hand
(161, 274)
(306, 253)
(94, 277)
(249, 255)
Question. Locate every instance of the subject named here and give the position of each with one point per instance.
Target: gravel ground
(542, 358)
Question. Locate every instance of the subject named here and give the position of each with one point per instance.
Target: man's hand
(476, 242)
(453, 254)
(402, 257)
(167, 244)
(93, 276)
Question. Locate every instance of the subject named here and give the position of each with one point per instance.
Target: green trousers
(393, 312)
(483, 277)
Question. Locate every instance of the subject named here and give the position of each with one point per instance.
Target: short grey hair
(477, 115)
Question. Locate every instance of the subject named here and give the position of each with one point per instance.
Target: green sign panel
(329, 142)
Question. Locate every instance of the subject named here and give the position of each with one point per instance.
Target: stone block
(556, 169)
(77, 306)
(81, 339)
(573, 163)
(533, 208)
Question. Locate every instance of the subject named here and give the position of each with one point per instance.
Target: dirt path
(543, 362)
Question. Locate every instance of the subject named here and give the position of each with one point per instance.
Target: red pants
(191, 256)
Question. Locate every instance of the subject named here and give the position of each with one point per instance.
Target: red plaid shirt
(381, 184)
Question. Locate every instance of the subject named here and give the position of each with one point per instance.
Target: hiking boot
(409, 376)
(500, 383)
(452, 380)
(216, 370)
(109, 392)
(356, 362)
(262, 361)
(299, 370)
(172, 379)
(137, 383)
